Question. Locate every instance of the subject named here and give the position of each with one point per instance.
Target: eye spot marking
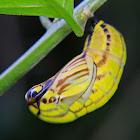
(52, 99)
(44, 100)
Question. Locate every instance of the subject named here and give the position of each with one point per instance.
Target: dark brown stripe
(94, 91)
(74, 63)
(71, 64)
(51, 90)
(35, 105)
(78, 65)
(81, 76)
(62, 88)
(61, 81)
(99, 77)
(102, 61)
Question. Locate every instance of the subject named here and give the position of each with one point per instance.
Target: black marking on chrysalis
(107, 44)
(84, 54)
(105, 30)
(89, 40)
(103, 25)
(38, 113)
(108, 36)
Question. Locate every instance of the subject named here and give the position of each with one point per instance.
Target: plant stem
(45, 21)
(57, 32)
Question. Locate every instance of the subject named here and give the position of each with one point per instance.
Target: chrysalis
(86, 83)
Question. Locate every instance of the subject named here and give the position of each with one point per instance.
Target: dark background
(119, 119)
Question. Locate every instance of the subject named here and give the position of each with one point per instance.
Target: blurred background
(119, 119)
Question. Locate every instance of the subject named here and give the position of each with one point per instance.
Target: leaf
(27, 7)
(68, 17)
(49, 8)
(68, 5)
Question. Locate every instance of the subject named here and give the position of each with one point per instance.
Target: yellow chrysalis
(86, 83)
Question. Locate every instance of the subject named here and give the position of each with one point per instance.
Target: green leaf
(68, 17)
(68, 5)
(49, 8)
(29, 7)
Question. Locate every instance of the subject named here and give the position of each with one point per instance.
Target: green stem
(57, 32)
